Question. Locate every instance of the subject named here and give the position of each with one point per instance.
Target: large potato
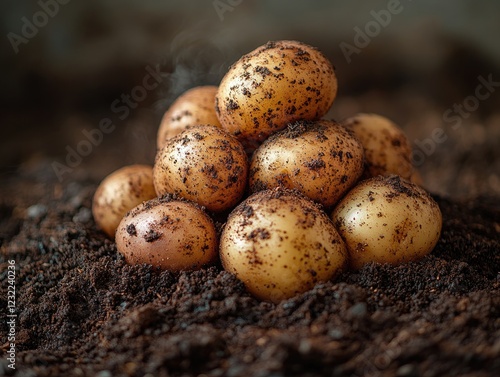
(275, 84)
(203, 164)
(387, 149)
(320, 159)
(169, 234)
(119, 192)
(280, 243)
(387, 220)
(194, 107)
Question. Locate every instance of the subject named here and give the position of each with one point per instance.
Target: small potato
(279, 244)
(387, 220)
(387, 149)
(203, 164)
(194, 107)
(169, 234)
(119, 192)
(320, 159)
(276, 84)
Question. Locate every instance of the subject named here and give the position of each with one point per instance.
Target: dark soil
(81, 311)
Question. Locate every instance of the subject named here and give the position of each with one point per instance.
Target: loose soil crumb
(83, 312)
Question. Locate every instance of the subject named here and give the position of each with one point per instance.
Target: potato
(194, 107)
(387, 220)
(169, 234)
(320, 159)
(387, 149)
(119, 192)
(279, 244)
(276, 84)
(203, 164)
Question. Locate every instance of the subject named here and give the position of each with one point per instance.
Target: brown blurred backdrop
(67, 65)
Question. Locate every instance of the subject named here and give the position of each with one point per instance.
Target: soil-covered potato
(169, 234)
(195, 106)
(321, 159)
(276, 84)
(280, 243)
(119, 192)
(387, 220)
(203, 164)
(387, 149)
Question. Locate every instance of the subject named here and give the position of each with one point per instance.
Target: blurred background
(70, 66)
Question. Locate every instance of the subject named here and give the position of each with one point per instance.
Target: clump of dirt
(81, 311)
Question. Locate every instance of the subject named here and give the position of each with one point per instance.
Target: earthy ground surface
(81, 311)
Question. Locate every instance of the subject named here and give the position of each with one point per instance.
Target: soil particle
(399, 187)
(232, 105)
(131, 230)
(315, 164)
(264, 71)
(152, 235)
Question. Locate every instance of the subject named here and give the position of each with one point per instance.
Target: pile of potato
(301, 197)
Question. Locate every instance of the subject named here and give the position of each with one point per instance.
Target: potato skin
(321, 159)
(387, 220)
(169, 234)
(193, 107)
(119, 192)
(387, 149)
(275, 84)
(203, 164)
(280, 243)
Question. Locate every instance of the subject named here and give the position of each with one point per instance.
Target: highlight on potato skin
(119, 192)
(168, 233)
(279, 244)
(194, 107)
(321, 159)
(203, 164)
(276, 84)
(387, 220)
(387, 148)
